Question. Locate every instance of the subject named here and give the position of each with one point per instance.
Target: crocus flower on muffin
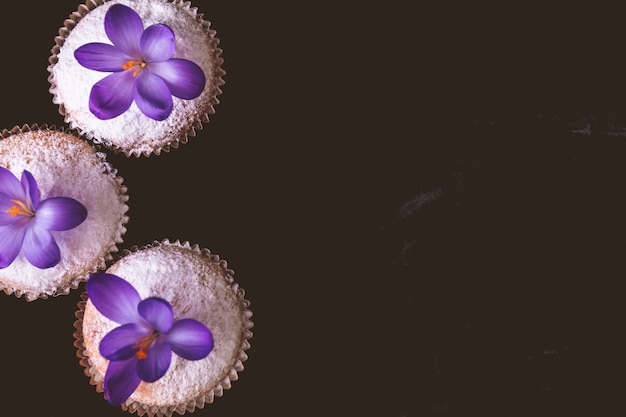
(164, 329)
(26, 220)
(140, 349)
(142, 68)
(136, 76)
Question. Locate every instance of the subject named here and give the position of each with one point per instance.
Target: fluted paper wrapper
(65, 165)
(219, 378)
(132, 132)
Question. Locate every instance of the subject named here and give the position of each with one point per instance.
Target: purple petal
(40, 248)
(124, 28)
(157, 312)
(11, 238)
(184, 78)
(60, 213)
(118, 344)
(112, 95)
(10, 185)
(157, 43)
(114, 297)
(120, 380)
(30, 187)
(157, 362)
(190, 339)
(152, 96)
(101, 57)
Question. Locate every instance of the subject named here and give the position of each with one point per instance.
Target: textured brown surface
(402, 194)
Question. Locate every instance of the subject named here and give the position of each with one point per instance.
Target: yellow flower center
(143, 344)
(19, 208)
(135, 66)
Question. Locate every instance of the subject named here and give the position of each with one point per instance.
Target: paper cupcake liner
(96, 378)
(215, 77)
(100, 264)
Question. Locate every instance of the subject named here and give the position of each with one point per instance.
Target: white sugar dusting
(67, 166)
(197, 288)
(132, 131)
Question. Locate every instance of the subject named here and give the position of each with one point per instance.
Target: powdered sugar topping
(197, 288)
(132, 131)
(65, 165)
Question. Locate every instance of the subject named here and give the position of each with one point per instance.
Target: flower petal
(10, 185)
(114, 297)
(112, 95)
(124, 28)
(157, 312)
(101, 57)
(11, 238)
(40, 248)
(152, 96)
(118, 343)
(60, 213)
(30, 188)
(157, 43)
(190, 339)
(184, 78)
(155, 365)
(120, 380)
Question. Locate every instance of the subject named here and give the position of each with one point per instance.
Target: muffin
(137, 76)
(199, 287)
(71, 218)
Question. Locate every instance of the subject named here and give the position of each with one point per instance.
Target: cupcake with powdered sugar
(137, 76)
(62, 211)
(164, 330)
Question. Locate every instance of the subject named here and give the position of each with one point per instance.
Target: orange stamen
(129, 65)
(19, 208)
(143, 344)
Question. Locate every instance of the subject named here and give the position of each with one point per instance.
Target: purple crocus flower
(26, 220)
(141, 348)
(142, 66)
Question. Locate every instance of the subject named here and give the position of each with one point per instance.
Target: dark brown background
(404, 196)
